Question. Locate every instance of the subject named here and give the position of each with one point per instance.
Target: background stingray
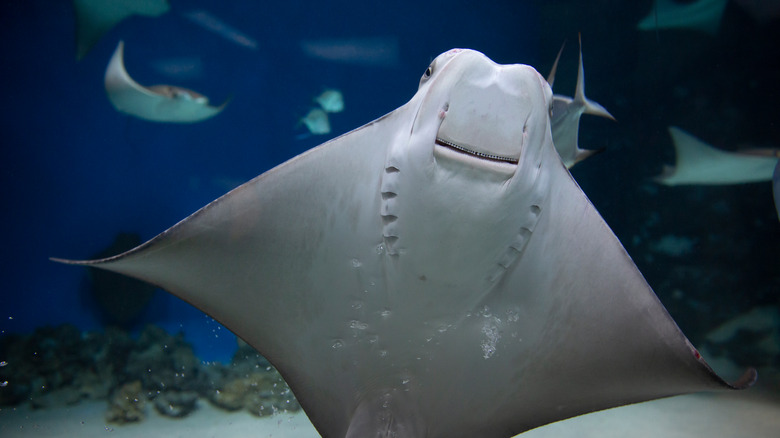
(96, 17)
(441, 249)
(566, 112)
(701, 15)
(700, 163)
(156, 103)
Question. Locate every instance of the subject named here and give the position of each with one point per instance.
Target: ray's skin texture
(96, 17)
(698, 163)
(434, 273)
(156, 103)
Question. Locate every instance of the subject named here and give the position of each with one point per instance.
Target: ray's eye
(428, 73)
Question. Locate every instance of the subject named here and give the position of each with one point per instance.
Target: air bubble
(357, 325)
(492, 335)
(337, 344)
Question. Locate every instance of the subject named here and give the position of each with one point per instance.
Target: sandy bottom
(744, 414)
(86, 420)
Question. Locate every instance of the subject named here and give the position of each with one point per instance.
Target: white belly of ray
(406, 288)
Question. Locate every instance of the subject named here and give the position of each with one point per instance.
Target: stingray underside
(294, 262)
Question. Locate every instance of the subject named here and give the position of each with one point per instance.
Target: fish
(700, 15)
(434, 273)
(316, 121)
(698, 163)
(566, 112)
(331, 101)
(156, 103)
(96, 17)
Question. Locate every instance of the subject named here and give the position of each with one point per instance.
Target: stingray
(566, 112)
(434, 273)
(700, 15)
(316, 121)
(331, 101)
(698, 163)
(96, 17)
(157, 103)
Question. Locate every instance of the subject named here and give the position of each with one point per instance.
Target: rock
(41, 399)
(39, 365)
(92, 385)
(231, 396)
(162, 362)
(127, 405)
(60, 366)
(260, 393)
(176, 404)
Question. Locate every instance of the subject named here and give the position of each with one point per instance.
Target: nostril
(443, 110)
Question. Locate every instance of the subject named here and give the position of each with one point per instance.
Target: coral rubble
(127, 405)
(56, 366)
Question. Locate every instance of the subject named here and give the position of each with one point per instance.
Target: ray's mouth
(482, 155)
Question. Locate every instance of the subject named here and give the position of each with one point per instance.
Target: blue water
(75, 172)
